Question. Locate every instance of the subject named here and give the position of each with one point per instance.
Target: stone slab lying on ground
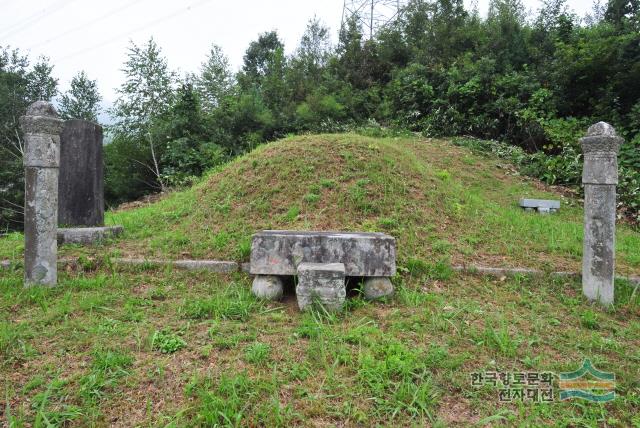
(217, 266)
(87, 235)
(276, 252)
(494, 271)
(322, 283)
(542, 205)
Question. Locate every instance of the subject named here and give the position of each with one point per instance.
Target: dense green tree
(215, 80)
(82, 100)
(536, 81)
(41, 85)
(20, 85)
(144, 100)
(260, 57)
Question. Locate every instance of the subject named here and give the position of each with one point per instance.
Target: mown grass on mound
(440, 201)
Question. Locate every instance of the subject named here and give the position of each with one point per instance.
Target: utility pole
(372, 15)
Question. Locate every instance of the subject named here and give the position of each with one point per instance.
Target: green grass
(149, 346)
(129, 336)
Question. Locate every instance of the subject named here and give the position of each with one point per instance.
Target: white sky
(93, 35)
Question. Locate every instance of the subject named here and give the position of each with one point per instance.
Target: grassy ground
(164, 348)
(157, 347)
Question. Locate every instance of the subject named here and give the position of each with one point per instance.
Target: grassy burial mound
(440, 201)
(149, 346)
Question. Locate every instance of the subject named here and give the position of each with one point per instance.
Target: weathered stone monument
(81, 185)
(322, 260)
(600, 177)
(41, 126)
(81, 182)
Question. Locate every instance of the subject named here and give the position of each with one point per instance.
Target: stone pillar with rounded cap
(600, 177)
(42, 127)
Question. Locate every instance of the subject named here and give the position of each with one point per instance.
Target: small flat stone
(549, 204)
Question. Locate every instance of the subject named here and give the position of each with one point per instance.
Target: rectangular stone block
(87, 235)
(81, 184)
(279, 252)
(323, 283)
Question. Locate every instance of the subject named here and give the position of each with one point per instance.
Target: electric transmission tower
(372, 14)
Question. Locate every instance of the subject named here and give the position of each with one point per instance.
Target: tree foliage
(82, 100)
(533, 81)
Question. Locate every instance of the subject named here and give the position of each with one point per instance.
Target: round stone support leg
(268, 287)
(377, 287)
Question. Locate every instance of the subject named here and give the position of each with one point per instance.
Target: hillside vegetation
(151, 346)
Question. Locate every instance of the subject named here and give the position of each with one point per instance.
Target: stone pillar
(41, 126)
(81, 182)
(600, 177)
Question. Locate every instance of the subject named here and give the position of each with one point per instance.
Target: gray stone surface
(81, 183)
(267, 287)
(276, 252)
(41, 127)
(600, 177)
(376, 288)
(322, 283)
(217, 266)
(87, 235)
(209, 265)
(543, 206)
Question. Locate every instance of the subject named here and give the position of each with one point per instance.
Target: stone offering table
(318, 259)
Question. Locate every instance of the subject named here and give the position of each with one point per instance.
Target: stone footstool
(321, 283)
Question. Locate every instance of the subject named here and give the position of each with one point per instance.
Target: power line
(140, 28)
(127, 5)
(36, 17)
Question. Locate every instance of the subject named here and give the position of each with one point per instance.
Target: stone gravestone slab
(81, 183)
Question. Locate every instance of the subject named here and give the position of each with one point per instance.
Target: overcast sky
(93, 35)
